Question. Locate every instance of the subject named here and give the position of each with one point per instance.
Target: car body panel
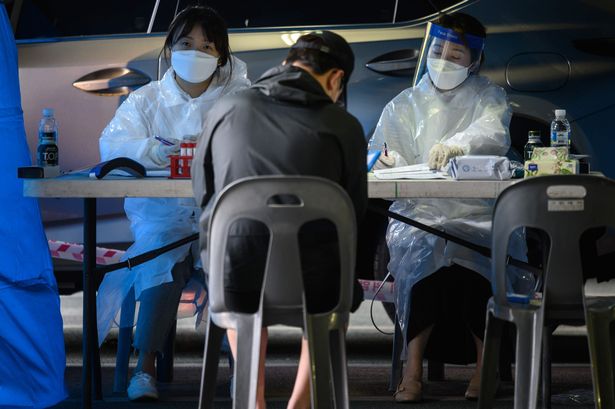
(532, 50)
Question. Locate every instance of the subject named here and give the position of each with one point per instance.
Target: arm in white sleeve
(488, 134)
(396, 128)
(128, 134)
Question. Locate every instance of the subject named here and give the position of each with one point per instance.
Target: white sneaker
(142, 387)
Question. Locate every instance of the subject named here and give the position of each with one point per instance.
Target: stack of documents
(418, 171)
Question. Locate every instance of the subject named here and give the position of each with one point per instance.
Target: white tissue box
(480, 167)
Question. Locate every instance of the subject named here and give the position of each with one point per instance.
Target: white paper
(419, 167)
(418, 175)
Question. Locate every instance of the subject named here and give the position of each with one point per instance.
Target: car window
(67, 18)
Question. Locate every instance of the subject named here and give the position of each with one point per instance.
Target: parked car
(82, 60)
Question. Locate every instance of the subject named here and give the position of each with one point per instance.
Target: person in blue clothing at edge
(174, 108)
(32, 352)
(442, 289)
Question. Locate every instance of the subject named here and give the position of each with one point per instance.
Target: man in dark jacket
(287, 123)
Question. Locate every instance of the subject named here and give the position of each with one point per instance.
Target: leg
(300, 398)
(260, 392)
(157, 315)
(478, 292)
(410, 387)
(474, 387)
(416, 348)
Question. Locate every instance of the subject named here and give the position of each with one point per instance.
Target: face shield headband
(448, 56)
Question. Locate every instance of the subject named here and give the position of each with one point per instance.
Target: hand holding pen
(167, 147)
(384, 160)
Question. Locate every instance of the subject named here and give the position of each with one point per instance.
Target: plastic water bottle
(533, 141)
(560, 129)
(47, 151)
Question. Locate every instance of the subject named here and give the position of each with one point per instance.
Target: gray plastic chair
(282, 300)
(564, 207)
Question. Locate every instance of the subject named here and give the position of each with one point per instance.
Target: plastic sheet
(474, 116)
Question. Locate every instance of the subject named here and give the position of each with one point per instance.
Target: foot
(473, 388)
(142, 387)
(409, 391)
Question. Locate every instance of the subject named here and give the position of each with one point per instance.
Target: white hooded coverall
(474, 116)
(160, 108)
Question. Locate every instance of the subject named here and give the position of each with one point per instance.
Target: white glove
(384, 162)
(163, 151)
(440, 154)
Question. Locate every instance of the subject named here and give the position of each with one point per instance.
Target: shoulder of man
(234, 103)
(345, 122)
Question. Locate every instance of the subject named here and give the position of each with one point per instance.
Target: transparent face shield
(447, 57)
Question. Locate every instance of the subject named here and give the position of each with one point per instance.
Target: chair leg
(164, 361)
(546, 368)
(249, 327)
(506, 357)
(320, 358)
(211, 359)
(124, 343)
(340, 368)
(491, 352)
(601, 353)
(527, 371)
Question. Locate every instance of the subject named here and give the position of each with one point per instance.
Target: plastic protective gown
(32, 360)
(160, 108)
(474, 116)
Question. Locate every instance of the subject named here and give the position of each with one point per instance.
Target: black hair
(213, 25)
(323, 51)
(463, 24)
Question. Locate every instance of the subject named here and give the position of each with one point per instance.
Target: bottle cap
(48, 112)
(560, 112)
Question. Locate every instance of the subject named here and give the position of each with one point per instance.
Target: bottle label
(47, 154)
(47, 135)
(559, 138)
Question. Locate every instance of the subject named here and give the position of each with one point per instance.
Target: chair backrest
(564, 207)
(251, 198)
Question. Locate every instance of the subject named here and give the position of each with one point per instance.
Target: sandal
(410, 391)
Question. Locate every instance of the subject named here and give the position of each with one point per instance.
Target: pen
(386, 151)
(164, 141)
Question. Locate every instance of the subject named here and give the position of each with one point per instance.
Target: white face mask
(446, 75)
(193, 66)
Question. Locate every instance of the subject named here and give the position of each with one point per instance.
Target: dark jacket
(284, 124)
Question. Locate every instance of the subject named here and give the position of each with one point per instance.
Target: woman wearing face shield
(442, 288)
(174, 108)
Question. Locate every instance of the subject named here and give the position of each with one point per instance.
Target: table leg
(91, 357)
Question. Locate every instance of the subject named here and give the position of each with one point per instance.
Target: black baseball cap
(333, 45)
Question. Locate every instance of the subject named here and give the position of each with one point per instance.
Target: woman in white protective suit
(442, 288)
(174, 108)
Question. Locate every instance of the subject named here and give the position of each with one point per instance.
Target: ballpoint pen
(386, 151)
(163, 141)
